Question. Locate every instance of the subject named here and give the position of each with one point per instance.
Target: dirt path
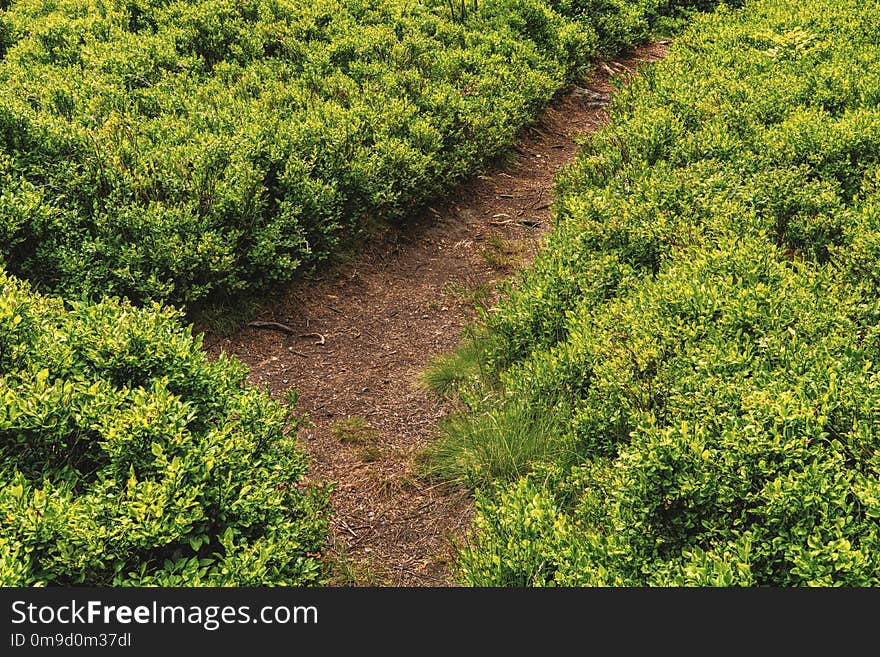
(364, 333)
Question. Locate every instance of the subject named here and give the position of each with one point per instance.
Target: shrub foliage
(128, 458)
(195, 151)
(705, 318)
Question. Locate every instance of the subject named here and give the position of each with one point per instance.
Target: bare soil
(360, 336)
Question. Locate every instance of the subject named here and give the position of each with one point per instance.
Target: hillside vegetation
(196, 152)
(684, 389)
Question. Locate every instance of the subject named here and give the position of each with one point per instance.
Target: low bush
(704, 321)
(200, 152)
(127, 457)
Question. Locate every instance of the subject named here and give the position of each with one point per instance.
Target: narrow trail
(363, 333)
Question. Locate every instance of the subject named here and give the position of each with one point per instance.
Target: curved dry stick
(321, 338)
(284, 328)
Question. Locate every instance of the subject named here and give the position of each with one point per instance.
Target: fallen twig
(349, 529)
(413, 515)
(275, 326)
(321, 338)
(530, 223)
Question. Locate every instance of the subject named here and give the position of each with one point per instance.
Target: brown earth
(358, 338)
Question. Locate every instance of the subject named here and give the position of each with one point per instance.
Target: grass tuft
(354, 430)
(501, 444)
(450, 375)
(500, 254)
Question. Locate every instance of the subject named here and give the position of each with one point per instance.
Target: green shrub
(128, 458)
(200, 152)
(706, 315)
